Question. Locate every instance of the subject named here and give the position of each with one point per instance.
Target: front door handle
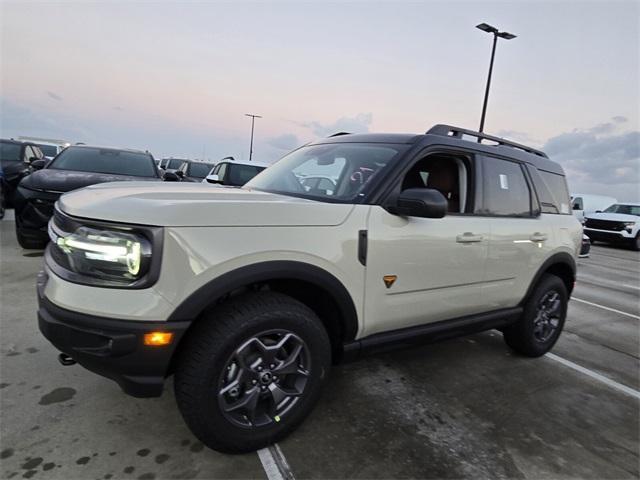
(538, 237)
(468, 237)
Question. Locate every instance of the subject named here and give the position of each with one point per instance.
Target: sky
(177, 78)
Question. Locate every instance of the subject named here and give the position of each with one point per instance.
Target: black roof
(448, 135)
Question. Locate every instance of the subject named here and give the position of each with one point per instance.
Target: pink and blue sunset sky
(177, 78)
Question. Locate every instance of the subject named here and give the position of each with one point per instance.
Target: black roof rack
(337, 134)
(457, 132)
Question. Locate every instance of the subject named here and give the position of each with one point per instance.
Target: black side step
(430, 333)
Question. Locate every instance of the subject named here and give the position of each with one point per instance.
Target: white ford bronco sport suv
(248, 295)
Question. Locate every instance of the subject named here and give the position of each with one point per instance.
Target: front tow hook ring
(66, 360)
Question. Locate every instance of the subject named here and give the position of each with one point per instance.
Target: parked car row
(32, 182)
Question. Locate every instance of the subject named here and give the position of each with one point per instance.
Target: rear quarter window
(553, 193)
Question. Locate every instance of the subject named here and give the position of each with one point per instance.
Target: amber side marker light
(158, 339)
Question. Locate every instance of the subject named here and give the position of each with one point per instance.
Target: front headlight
(105, 254)
(98, 253)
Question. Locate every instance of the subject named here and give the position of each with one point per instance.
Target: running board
(430, 333)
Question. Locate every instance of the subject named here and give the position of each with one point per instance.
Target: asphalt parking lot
(465, 408)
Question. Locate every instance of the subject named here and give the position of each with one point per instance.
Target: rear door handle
(468, 237)
(538, 237)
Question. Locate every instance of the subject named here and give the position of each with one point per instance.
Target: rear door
(520, 238)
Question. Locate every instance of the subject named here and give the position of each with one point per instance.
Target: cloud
(600, 159)
(517, 136)
(358, 124)
(287, 141)
(54, 95)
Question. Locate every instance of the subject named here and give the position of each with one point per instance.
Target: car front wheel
(251, 371)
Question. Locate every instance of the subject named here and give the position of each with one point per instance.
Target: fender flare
(563, 258)
(191, 307)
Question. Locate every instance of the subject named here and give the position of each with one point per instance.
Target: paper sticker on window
(504, 184)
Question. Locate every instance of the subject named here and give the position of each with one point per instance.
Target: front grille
(610, 225)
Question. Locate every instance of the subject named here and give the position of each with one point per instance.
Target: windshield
(48, 150)
(626, 209)
(10, 152)
(241, 174)
(98, 160)
(199, 170)
(340, 171)
(175, 163)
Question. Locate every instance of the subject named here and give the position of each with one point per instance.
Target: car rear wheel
(537, 331)
(250, 371)
(636, 243)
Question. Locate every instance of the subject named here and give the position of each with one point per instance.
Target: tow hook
(66, 360)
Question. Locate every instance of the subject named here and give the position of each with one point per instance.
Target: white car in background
(584, 203)
(50, 147)
(234, 173)
(620, 223)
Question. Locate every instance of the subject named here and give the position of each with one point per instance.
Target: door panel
(517, 248)
(439, 265)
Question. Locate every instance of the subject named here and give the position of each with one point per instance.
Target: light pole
(496, 33)
(253, 119)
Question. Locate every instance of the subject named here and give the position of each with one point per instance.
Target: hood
(53, 180)
(614, 217)
(197, 205)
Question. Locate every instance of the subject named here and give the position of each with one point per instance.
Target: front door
(422, 270)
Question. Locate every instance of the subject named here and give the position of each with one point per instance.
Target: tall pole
(253, 119)
(485, 27)
(486, 92)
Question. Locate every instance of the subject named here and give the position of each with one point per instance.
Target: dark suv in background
(76, 167)
(15, 157)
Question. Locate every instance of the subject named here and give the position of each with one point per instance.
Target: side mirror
(420, 202)
(212, 178)
(171, 177)
(37, 163)
(180, 173)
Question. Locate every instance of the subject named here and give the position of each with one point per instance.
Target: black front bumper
(109, 347)
(605, 236)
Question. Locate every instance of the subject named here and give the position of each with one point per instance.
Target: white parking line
(596, 376)
(274, 463)
(606, 308)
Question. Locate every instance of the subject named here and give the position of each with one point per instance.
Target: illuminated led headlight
(107, 254)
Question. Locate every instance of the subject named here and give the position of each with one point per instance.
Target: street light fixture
(253, 119)
(485, 27)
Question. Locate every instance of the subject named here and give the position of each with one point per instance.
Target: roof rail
(457, 132)
(337, 134)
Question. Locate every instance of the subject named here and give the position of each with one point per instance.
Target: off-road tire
(521, 336)
(203, 358)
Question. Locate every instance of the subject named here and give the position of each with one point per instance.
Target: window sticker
(504, 183)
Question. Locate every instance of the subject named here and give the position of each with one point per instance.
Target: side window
(448, 174)
(28, 153)
(577, 204)
(505, 189)
(222, 171)
(557, 186)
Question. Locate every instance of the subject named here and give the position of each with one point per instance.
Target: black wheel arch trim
(206, 295)
(560, 258)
